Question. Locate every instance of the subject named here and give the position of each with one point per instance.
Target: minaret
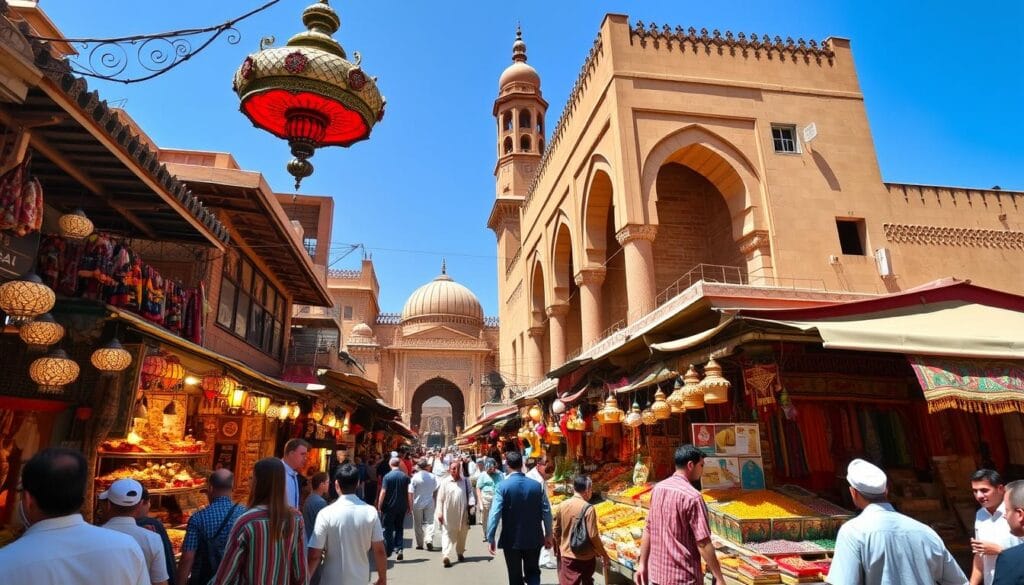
(519, 114)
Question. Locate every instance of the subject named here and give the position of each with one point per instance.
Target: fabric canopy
(685, 343)
(654, 375)
(489, 420)
(950, 328)
(983, 386)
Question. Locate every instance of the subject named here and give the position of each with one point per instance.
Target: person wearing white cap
(882, 546)
(59, 547)
(123, 498)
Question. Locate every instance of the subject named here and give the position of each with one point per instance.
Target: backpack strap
(224, 522)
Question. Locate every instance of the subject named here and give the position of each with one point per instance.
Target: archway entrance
(448, 392)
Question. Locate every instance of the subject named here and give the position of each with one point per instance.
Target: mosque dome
(362, 330)
(443, 300)
(519, 71)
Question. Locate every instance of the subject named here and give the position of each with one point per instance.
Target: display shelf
(177, 490)
(153, 455)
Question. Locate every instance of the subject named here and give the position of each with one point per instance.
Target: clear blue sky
(942, 82)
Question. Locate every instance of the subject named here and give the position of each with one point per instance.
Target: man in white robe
(455, 497)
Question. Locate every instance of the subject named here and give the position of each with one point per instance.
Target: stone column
(638, 253)
(589, 280)
(534, 361)
(556, 333)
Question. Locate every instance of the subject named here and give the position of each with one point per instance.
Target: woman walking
(267, 543)
(486, 483)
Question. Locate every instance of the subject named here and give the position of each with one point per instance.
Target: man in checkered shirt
(677, 534)
(208, 530)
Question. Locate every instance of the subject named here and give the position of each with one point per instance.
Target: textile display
(21, 200)
(761, 384)
(978, 386)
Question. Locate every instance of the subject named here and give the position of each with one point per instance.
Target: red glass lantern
(152, 369)
(172, 374)
(215, 385)
(308, 93)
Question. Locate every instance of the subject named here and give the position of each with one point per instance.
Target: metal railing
(311, 311)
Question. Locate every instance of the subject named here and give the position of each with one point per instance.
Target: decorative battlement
(347, 274)
(491, 322)
(389, 319)
(575, 95)
(740, 44)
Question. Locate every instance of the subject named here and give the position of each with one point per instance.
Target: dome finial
(519, 47)
(444, 266)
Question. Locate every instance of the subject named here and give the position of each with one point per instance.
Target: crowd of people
(291, 532)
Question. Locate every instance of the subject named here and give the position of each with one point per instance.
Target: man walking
(677, 535)
(294, 460)
(455, 500)
(423, 487)
(486, 483)
(537, 471)
(123, 498)
(525, 516)
(59, 547)
(1010, 563)
(347, 530)
(143, 519)
(394, 503)
(311, 508)
(206, 535)
(991, 531)
(576, 567)
(882, 546)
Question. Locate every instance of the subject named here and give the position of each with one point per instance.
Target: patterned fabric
(206, 521)
(256, 557)
(677, 521)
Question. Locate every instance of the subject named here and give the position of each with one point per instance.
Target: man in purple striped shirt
(677, 534)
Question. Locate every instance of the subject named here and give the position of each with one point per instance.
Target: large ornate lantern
(611, 413)
(75, 225)
(693, 394)
(152, 369)
(41, 332)
(308, 92)
(53, 371)
(676, 398)
(25, 299)
(111, 359)
(262, 404)
(714, 385)
(173, 373)
(660, 406)
(218, 385)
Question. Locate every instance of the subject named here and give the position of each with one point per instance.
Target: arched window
(524, 119)
(508, 145)
(540, 145)
(524, 143)
(506, 121)
(540, 125)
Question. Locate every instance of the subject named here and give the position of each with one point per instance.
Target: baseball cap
(123, 492)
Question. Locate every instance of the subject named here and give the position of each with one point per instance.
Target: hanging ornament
(557, 407)
(26, 299)
(262, 404)
(53, 371)
(111, 359)
(714, 385)
(647, 417)
(172, 374)
(152, 369)
(283, 411)
(330, 418)
(535, 413)
(661, 408)
(611, 413)
(693, 394)
(75, 225)
(317, 413)
(676, 399)
(634, 418)
(273, 411)
(41, 332)
(216, 384)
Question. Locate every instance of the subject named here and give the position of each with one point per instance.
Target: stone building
(685, 156)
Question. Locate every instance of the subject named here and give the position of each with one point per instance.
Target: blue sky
(942, 83)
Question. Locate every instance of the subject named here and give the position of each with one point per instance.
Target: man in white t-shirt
(346, 530)
(423, 487)
(123, 498)
(991, 531)
(59, 547)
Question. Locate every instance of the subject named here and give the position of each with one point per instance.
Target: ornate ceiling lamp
(173, 373)
(676, 399)
(611, 413)
(648, 417)
(26, 299)
(262, 404)
(634, 418)
(216, 384)
(283, 411)
(111, 359)
(41, 332)
(75, 225)
(308, 92)
(660, 406)
(53, 371)
(152, 369)
(714, 385)
(693, 394)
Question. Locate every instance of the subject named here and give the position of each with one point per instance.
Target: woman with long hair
(267, 543)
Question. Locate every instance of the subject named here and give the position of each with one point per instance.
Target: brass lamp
(53, 371)
(41, 332)
(111, 359)
(75, 225)
(27, 298)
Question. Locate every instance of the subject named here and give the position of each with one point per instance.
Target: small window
(784, 139)
(347, 313)
(226, 303)
(540, 149)
(524, 119)
(506, 122)
(524, 143)
(540, 125)
(310, 245)
(851, 236)
(508, 145)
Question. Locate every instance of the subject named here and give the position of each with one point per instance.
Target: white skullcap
(866, 478)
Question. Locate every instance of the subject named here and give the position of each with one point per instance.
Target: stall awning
(400, 428)
(685, 343)
(982, 386)
(653, 375)
(489, 420)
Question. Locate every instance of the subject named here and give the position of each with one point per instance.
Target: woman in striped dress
(267, 543)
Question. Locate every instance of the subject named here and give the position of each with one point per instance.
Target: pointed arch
(445, 388)
(563, 256)
(597, 203)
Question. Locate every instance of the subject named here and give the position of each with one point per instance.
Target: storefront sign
(733, 451)
(225, 455)
(17, 254)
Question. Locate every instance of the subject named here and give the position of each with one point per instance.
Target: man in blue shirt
(394, 502)
(294, 460)
(1010, 563)
(207, 533)
(882, 546)
(522, 508)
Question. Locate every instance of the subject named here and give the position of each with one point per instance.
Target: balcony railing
(313, 312)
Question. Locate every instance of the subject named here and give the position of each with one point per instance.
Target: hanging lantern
(283, 411)
(218, 385)
(236, 399)
(634, 418)
(111, 359)
(25, 299)
(294, 412)
(273, 411)
(693, 394)
(308, 93)
(330, 419)
(611, 413)
(660, 406)
(262, 404)
(345, 425)
(557, 407)
(53, 371)
(647, 417)
(714, 385)
(41, 332)
(152, 369)
(172, 374)
(317, 414)
(536, 414)
(676, 399)
(493, 434)
(75, 225)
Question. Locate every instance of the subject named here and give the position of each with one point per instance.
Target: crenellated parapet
(735, 45)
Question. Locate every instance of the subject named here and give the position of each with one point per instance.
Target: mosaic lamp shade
(41, 332)
(634, 418)
(75, 225)
(26, 299)
(112, 358)
(53, 371)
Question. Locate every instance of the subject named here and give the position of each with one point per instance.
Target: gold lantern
(693, 394)
(647, 417)
(634, 418)
(283, 411)
(218, 384)
(536, 413)
(53, 371)
(660, 407)
(75, 225)
(317, 414)
(41, 332)
(676, 399)
(714, 385)
(236, 399)
(25, 299)
(294, 412)
(262, 404)
(330, 419)
(273, 411)
(611, 413)
(172, 373)
(111, 359)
